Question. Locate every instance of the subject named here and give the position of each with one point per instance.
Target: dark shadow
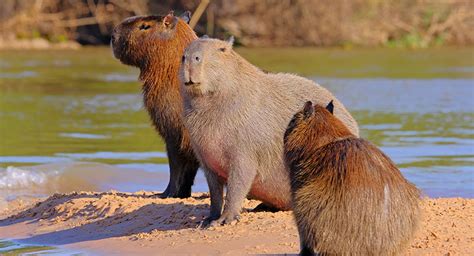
(57, 199)
(265, 208)
(154, 216)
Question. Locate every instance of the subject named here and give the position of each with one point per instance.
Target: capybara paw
(226, 219)
(175, 194)
(165, 194)
(208, 220)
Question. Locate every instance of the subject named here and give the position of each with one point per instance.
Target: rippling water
(73, 120)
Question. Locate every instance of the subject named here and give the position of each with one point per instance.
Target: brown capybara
(348, 197)
(237, 115)
(155, 44)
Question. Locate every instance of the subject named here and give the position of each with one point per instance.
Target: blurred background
(72, 118)
(406, 23)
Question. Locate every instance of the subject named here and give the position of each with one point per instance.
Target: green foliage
(410, 40)
(61, 38)
(35, 34)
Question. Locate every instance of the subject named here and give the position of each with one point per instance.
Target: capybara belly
(262, 191)
(216, 166)
(267, 194)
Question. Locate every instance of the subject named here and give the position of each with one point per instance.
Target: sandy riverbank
(142, 223)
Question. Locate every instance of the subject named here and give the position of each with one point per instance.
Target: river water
(73, 120)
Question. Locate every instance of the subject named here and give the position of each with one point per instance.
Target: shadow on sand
(104, 221)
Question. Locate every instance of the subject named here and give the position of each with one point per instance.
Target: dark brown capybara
(348, 197)
(155, 44)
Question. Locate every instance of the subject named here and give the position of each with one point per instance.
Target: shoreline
(141, 223)
(37, 44)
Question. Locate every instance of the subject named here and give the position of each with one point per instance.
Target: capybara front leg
(240, 180)
(216, 191)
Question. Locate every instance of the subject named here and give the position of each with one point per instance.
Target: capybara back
(348, 197)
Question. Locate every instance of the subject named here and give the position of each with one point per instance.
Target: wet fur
(349, 198)
(157, 51)
(237, 116)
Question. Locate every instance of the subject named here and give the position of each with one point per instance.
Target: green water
(9, 248)
(59, 109)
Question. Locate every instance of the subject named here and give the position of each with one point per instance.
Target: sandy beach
(141, 223)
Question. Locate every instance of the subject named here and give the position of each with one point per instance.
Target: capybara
(155, 44)
(237, 115)
(348, 197)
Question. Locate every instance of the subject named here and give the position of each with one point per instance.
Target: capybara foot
(174, 195)
(226, 218)
(208, 220)
(265, 208)
(182, 192)
(165, 193)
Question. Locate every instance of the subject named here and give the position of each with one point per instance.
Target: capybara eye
(197, 58)
(144, 27)
(183, 58)
(222, 49)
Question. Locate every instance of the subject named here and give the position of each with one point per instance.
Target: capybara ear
(308, 109)
(330, 107)
(169, 21)
(230, 41)
(186, 16)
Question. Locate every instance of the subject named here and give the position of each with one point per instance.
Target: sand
(143, 224)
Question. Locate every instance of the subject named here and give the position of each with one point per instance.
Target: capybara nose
(190, 82)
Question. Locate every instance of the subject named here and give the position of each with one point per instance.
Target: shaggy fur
(237, 115)
(155, 44)
(348, 197)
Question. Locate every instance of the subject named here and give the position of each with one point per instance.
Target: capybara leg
(240, 180)
(178, 186)
(216, 191)
(189, 166)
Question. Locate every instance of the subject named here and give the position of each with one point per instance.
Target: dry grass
(406, 23)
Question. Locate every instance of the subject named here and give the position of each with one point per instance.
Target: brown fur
(348, 197)
(155, 44)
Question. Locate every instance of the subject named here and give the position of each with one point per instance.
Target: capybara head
(141, 39)
(201, 61)
(316, 124)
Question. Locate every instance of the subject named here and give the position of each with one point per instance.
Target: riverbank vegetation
(347, 23)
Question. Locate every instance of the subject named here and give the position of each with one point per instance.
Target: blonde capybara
(348, 197)
(236, 115)
(155, 44)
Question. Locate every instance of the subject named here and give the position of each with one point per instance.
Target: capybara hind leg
(177, 186)
(240, 180)
(189, 167)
